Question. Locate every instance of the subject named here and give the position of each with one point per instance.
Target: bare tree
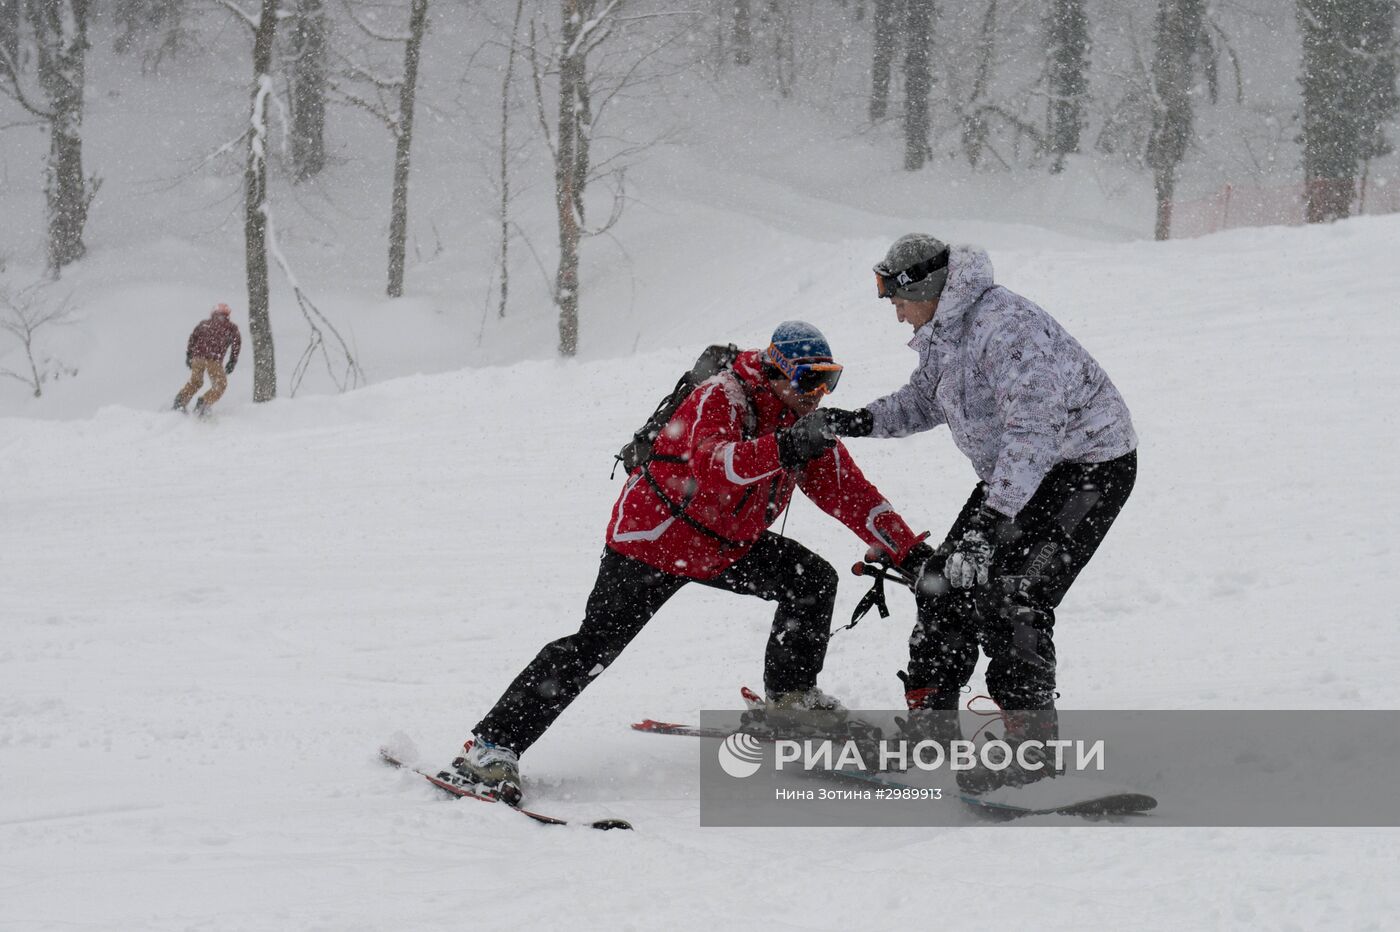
(584, 92)
(777, 26)
(9, 30)
(571, 158)
(391, 101)
(255, 202)
(1185, 69)
(255, 208)
(306, 81)
(398, 215)
(974, 114)
(918, 82)
(505, 159)
(1349, 70)
(260, 236)
(889, 17)
(60, 38)
(158, 26)
(1067, 41)
(743, 33)
(1179, 30)
(990, 108)
(23, 314)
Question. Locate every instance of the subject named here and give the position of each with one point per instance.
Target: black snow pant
(1012, 618)
(626, 596)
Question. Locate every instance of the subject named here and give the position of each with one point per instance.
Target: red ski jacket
(716, 461)
(212, 337)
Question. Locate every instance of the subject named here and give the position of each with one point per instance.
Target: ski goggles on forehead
(888, 283)
(807, 377)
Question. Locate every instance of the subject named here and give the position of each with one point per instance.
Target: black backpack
(637, 451)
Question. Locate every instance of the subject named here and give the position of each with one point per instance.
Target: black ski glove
(229, 370)
(914, 560)
(857, 423)
(805, 440)
(970, 563)
(189, 361)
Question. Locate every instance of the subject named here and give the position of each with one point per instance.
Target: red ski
(459, 793)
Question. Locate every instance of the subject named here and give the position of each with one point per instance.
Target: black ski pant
(1038, 556)
(626, 596)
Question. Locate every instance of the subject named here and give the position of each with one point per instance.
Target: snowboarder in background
(204, 356)
(1053, 444)
(721, 472)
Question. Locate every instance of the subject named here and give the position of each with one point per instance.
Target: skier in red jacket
(204, 355)
(722, 471)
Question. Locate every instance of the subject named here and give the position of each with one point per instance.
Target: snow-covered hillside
(208, 627)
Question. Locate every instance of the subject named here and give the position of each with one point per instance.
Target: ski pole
(875, 598)
(883, 572)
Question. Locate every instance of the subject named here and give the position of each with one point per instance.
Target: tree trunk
(918, 81)
(887, 30)
(975, 128)
(1164, 185)
(1349, 69)
(398, 215)
(60, 31)
(308, 89)
(505, 161)
(1068, 48)
(583, 128)
(778, 18)
(1179, 24)
(255, 209)
(568, 186)
(66, 190)
(743, 33)
(9, 31)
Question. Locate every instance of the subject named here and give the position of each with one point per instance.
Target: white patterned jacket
(1017, 392)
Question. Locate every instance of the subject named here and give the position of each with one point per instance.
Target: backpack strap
(750, 428)
(678, 510)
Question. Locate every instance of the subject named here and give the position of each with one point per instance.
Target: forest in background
(1212, 116)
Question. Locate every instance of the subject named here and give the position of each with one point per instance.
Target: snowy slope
(209, 627)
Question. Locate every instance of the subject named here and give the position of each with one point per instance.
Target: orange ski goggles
(807, 376)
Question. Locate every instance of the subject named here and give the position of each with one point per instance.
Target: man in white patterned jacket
(1053, 443)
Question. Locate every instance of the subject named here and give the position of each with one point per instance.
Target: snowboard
(1070, 794)
(1063, 795)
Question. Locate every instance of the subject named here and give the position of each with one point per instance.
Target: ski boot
(486, 769)
(802, 711)
(200, 408)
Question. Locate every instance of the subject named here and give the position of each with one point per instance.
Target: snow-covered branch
(250, 20)
(14, 88)
(587, 28)
(351, 376)
(369, 30)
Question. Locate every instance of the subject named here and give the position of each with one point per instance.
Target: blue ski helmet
(797, 341)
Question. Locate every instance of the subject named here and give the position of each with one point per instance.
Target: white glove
(971, 563)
